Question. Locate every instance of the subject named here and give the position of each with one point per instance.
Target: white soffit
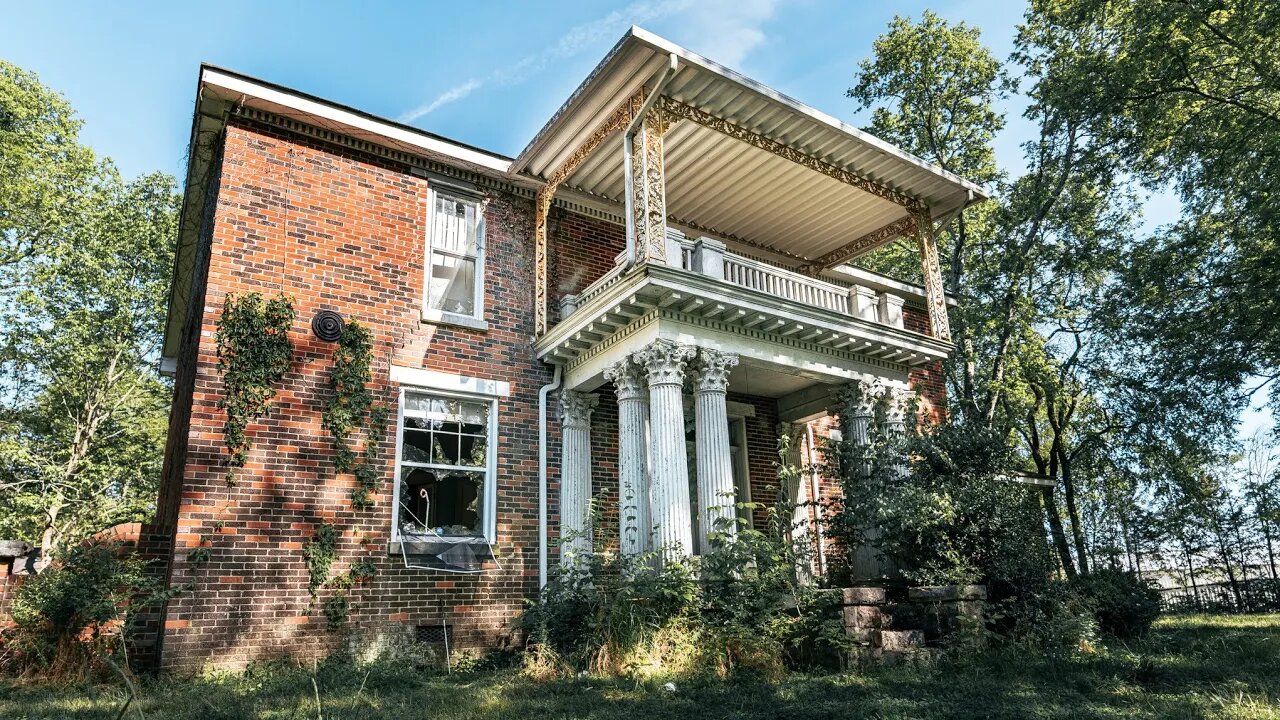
(346, 121)
(726, 185)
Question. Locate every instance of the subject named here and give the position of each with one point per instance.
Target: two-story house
(613, 325)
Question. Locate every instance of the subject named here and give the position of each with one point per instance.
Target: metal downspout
(543, 392)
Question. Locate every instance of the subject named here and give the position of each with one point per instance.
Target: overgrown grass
(1202, 666)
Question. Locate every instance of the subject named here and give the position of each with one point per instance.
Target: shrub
(1124, 604)
(953, 518)
(739, 607)
(76, 607)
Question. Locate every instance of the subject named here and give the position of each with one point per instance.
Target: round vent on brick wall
(327, 325)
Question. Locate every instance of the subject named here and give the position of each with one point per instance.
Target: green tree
(1190, 91)
(82, 306)
(45, 170)
(933, 86)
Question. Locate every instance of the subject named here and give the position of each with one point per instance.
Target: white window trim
(430, 315)
(490, 519)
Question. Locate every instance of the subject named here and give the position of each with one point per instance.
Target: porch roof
(723, 183)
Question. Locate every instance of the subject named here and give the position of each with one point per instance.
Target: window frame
(475, 320)
(489, 520)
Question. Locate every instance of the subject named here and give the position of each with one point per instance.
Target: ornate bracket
(616, 121)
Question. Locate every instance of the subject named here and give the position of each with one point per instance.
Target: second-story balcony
(770, 316)
(775, 198)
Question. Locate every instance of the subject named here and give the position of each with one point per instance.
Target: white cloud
(726, 30)
(723, 30)
(453, 94)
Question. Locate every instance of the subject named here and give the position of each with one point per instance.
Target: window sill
(393, 547)
(437, 317)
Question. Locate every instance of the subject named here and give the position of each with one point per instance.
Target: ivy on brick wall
(351, 406)
(254, 353)
(320, 553)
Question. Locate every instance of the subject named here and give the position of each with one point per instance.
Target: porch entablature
(770, 318)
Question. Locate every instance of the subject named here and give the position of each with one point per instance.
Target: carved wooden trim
(617, 121)
(737, 132)
(865, 244)
(934, 293)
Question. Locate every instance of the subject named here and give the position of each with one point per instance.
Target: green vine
(254, 353)
(350, 406)
(320, 552)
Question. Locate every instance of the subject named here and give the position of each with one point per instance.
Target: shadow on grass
(1191, 667)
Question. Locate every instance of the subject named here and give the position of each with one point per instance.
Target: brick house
(628, 311)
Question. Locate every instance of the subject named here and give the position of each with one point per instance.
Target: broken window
(455, 257)
(444, 483)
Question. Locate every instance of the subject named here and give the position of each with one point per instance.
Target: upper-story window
(455, 259)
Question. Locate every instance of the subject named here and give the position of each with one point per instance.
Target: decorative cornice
(711, 370)
(665, 361)
(865, 244)
(786, 152)
(576, 407)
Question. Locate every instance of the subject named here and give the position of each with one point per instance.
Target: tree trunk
(1191, 573)
(1073, 514)
(1055, 529)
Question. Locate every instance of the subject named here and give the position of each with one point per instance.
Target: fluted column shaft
(575, 474)
(893, 425)
(714, 459)
(634, 525)
(664, 363)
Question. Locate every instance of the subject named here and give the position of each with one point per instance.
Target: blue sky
(485, 73)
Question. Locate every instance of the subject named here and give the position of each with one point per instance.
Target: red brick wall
(927, 380)
(340, 231)
(581, 250)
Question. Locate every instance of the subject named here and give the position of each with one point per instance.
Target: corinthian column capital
(711, 371)
(859, 398)
(576, 407)
(628, 378)
(894, 403)
(664, 361)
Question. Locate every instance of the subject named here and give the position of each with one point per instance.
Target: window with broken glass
(455, 258)
(444, 480)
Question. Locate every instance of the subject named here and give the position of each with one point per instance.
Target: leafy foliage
(1124, 604)
(254, 353)
(85, 259)
(739, 607)
(352, 406)
(320, 552)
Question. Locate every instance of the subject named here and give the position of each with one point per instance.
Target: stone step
(901, 639)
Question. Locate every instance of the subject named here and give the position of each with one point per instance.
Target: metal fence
(1248, 596)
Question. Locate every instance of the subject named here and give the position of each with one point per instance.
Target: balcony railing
(709, 257)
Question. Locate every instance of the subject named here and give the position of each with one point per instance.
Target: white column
(664, 363)
(894, 406)
(575, 474)
(630, 383)
(715, 463)
(857, 403)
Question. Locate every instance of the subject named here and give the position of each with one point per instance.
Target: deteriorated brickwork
(927, 381)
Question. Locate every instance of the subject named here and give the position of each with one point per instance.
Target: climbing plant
(351, 406)
(254, 353)
(320, 553)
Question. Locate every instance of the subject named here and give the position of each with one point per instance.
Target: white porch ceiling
(728, 186)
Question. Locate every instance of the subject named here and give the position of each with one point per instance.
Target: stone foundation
(898, 625)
